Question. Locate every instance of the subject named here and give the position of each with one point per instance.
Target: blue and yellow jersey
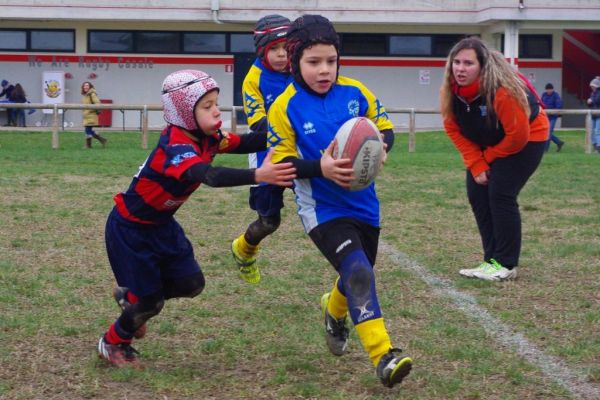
(302, 125)
(260, 89)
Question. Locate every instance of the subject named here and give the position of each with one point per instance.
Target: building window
(110, 42)
(422, 45)
(242, 43)
(157, 42)
(353, 44)
(13, 40)
(52, 40)
(37, 40)
(408, 45)
(204, 42)
(535, 46)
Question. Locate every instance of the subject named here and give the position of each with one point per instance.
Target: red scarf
(468, 92)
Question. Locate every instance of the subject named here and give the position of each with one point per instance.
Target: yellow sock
(246, 249)
(338, 304)
(374, 338)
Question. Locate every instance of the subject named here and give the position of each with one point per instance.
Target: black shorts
(339, 237)
(266, 200)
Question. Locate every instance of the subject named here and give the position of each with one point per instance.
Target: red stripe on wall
(226, 60)
(540, 64)
(377, 62)
(114, 59)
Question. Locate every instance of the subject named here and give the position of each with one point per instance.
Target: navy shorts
(143, 257)
(266, 200)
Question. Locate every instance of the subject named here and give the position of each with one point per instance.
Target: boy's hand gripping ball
(360, 141)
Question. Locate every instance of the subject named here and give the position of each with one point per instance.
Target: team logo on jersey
(365, 313)
(353, 108)
(483, 110)
(309, 128)
(269, 99)
(179, 158)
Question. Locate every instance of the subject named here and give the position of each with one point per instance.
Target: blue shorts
(143, 257)
(266, 200)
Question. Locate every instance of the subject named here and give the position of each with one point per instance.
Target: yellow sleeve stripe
(254, 104)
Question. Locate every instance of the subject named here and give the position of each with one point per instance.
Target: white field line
(552, 367)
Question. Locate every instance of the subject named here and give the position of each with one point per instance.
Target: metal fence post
(233, 119)
(145, 127)
(55, 144)
(588, 132)
(411, 131)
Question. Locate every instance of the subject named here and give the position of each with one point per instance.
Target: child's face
(207, 113)
(277, 57)
(318, 67)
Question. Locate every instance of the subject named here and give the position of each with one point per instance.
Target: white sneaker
(469, 273)
(494, 271)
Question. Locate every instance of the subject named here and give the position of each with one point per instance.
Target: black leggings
(495, 205)
(147, 307)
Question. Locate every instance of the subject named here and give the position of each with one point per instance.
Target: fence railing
(145, 108)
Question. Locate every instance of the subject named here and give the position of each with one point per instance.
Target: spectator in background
(17, 95)
(552, 100)
(90, 117)
(7, 89)
(493, 117)
(594, 103)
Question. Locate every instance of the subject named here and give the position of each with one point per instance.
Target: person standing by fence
(552, 100)
(90, 117)
(493, 117)
(18, 96)
(7, 89)
(594, 103)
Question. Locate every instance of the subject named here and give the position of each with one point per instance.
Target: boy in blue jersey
(265, 81)
(344, 225)
(150, 256)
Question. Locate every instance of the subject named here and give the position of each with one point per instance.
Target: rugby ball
(359, 140)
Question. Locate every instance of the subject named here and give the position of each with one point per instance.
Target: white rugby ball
(359, 140)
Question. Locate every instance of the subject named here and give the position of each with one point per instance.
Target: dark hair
(549, 86)
(88, 82)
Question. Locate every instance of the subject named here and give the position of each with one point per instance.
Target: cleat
(494, 271)
(393, 367)
(248, 269)
(336, 330)
(118, 355)
(469, 273)
(120, 296)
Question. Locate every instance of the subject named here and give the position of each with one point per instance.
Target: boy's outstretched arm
(275, 174)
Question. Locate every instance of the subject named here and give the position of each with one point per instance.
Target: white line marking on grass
(552, 367)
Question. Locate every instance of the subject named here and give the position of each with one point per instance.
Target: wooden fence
(145, 108)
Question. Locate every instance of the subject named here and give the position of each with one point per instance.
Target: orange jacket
(517, 129)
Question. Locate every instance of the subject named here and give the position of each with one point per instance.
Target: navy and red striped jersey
(158, 189)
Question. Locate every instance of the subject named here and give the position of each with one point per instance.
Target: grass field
(239, 341)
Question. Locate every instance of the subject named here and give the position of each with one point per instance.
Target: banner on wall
(53, 89)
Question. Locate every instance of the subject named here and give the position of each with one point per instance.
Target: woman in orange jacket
(494, 118)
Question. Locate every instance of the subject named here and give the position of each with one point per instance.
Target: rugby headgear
(181, 91)
(269, 30)
(307, 31)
